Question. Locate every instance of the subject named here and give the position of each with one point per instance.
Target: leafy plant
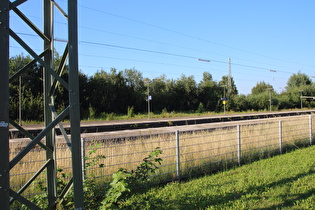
(125, 181)
(92, 193)
(201, 108)
(92, 159)
(131, 112)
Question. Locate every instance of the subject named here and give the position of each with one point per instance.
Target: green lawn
(282, 182)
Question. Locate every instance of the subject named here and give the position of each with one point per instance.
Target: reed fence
(185, 153)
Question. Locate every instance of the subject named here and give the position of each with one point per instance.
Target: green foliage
(298, 80)
(164, 112)
(130, 112)
(200, 109)
(92, 192)
(261, 87)
(92, 112)
(92, 159)
(113, 91)
(125, 181)
(281, 182)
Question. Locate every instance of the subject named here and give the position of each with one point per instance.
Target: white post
(239, 149)
(280, 136)
(310, 127)
(177, 155)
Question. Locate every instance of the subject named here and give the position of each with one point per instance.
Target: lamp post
(270, 101)
(224, 99)
(301, 91)
(149, 98)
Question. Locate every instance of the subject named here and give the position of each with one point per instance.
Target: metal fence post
(239, 148)
(177, 155)
(310, 127)
(280, 136)
(83, 158)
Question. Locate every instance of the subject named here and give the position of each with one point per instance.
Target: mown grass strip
(282, 182)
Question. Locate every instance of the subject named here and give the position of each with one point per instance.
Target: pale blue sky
(168, 36)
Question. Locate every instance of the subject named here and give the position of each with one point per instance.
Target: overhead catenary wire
(174, 54)
(254, 68)
(160, 52)
(168, 30)
(171, 31)
(184, 34)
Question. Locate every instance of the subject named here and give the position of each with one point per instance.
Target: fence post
(310, 127)
(239, 149)
(177, 155)
(83, 158)
(280, 136)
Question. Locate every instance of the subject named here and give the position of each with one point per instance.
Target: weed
(130, 112)
(200, 109)
(125, 181)
(92, 194)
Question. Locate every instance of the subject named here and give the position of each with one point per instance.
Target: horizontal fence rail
(185, 153)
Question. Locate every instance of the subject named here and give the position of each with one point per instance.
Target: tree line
(119, 91)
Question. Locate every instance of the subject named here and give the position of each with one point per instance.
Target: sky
(266, 40)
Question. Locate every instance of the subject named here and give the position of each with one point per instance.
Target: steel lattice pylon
(51, 80)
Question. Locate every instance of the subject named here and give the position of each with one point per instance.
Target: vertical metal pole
(239, 148)
(280, 136)
(301, 91)
(229, 78)
(270, 100)
(177, 155)
(224, 102)
(4, 105)
(75, 104)
(310, 127)
(148, 100)
(48, 116)
(83, 158)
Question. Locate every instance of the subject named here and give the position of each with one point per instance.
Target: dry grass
(200, 150)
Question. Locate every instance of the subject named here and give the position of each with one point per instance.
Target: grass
(281, 182)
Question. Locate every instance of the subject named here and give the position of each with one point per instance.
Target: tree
(134, 79)
(208, 92)
(298, 80)
(186, 93)
(230, 92)
(135, 84)
(261, 87)
(159, 93)
(31, 88)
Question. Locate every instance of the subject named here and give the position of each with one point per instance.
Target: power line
(184, 34)
(172, 54)
(137, 49)
(173, 31)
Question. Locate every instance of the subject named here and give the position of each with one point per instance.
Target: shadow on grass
(195, 202)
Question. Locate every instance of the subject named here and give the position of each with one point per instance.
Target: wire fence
(185, 153)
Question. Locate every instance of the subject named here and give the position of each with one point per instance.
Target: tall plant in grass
(92, 192)
(201, 108)
(130, 112)
(125, 181)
